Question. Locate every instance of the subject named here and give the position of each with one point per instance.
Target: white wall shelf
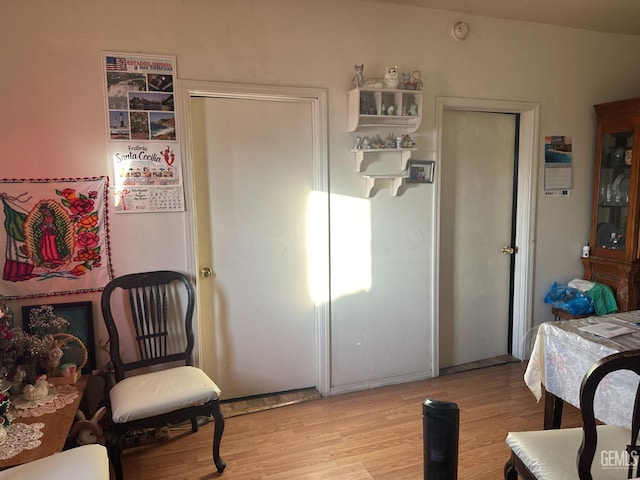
(368, 109)
(405, 155)
(399, 111)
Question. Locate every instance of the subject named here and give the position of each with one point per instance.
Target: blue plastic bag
(571, 300)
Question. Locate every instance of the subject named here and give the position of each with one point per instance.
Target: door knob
(509, 250)
(206, 272)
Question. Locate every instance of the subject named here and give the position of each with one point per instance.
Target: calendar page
(148, 199)
(557, 177)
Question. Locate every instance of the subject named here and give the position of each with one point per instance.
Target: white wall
(53, 124)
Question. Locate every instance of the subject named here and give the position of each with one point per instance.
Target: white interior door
(477, 178)
(253, 178)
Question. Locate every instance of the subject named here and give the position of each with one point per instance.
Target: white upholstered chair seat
(88, 461)
(552, 454)
(156, 393)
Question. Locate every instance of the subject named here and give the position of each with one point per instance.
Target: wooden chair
(576, 453)
(151, 314)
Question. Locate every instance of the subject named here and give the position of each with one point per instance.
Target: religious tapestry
(55, 238)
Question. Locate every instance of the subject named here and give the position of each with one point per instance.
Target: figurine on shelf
(413, 110)
(358, 143)
(407, 141)
(377, 142)
(356, 82)
(406, 81)
(416, 80)
(389, 141)
(390, 80)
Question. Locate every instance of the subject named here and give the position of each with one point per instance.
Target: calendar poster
(557, 162)
(143, 133)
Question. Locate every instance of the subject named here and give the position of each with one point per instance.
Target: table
(55, 430)
(562, 355)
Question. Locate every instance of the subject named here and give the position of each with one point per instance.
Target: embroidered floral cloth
(21, 437)
(562, 355)
(54, 236)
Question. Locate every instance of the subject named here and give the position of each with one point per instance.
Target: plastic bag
(571, 300)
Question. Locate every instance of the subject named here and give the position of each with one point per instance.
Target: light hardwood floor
(373, 434)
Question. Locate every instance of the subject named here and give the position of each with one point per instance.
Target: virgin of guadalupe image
(49, 235)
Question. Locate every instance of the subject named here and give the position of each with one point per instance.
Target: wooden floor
(374, 434)
(259, 403)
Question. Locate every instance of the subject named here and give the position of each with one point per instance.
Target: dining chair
(148, 317)
(592, 451)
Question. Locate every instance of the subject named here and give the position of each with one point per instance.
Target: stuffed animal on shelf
(86, 432)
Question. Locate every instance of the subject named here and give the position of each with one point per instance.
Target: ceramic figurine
(356, 82)
(406, 81)
(38, 390)
(416, 80)
(391, 79)
(87, 432)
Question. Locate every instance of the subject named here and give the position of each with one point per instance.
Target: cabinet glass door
(614, 183)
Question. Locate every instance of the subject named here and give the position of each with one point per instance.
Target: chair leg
(510, 472)
(218, 429)
(115, 454)
(194, 424)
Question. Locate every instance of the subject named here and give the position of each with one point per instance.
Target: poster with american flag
(139, 92)
(143, 133)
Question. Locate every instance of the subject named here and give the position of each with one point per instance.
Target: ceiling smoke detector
(460, 30)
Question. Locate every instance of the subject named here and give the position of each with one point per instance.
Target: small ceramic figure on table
(38, 390)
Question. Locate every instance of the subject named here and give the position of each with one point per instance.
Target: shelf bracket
(397, 183)
(406, 155)
(359, 160)
(370, 183)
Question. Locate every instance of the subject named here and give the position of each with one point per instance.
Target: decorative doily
(21, 437)
(61, 396)
(20, 403)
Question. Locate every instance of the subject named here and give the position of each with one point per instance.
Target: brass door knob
(206, 272)
(507, 250)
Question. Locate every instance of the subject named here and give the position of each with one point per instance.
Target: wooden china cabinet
(615, 215)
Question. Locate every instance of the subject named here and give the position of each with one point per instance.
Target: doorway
(525, 178)
(479, 160)
(259, 178)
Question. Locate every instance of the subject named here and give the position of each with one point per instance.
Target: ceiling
(612, 16)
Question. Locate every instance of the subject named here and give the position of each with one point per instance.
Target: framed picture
(420, 171)
(80, 317)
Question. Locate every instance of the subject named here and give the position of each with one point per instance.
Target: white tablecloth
(562, 355)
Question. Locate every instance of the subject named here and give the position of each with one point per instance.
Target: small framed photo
(420, 171)
(80, 317)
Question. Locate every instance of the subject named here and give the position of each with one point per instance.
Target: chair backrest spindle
(155, 299)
